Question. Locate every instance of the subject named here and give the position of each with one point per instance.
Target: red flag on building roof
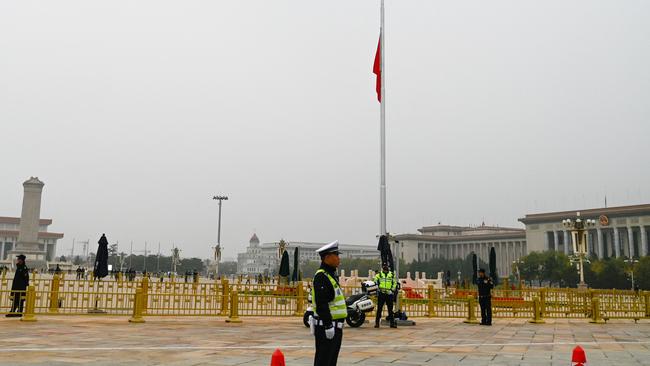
(377, 69)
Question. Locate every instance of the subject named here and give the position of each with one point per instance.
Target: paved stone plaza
(101, 340)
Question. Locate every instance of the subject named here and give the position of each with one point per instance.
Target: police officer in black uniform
(19, 287)
(485, 286)
(330, 313)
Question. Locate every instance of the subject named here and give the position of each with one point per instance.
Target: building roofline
(41, 235)
(341, 245)
(16, 220)
(464, 238)
(589, 213)
(466, 228)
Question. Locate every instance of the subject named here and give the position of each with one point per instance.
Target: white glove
(312, 325)
(329, 332)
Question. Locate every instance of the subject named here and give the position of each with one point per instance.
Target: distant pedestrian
(485, 286)
(19, 287)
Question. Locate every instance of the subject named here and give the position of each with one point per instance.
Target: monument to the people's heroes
(28, 243)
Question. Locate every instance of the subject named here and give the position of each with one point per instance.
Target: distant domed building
(264, 258)
(250, 262)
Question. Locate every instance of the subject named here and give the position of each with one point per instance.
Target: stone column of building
(601, 246)
(617, 243)
(644, 241)
(499, 253)
(556, 241)
(503, 250)
(2, 250)
(509, 249)
(630, 242)
(566, 242)
(438, 250)
(547, 245)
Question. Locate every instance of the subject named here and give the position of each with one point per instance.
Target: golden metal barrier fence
(66, 295)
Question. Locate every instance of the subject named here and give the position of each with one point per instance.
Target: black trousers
(383, 298)
(18, 302)
(486, 309)
(327, 350)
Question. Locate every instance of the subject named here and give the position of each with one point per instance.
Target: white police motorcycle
(357, 305)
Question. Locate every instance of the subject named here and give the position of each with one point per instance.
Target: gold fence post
(137, 307)
(300, 301)
(646, 296)
(471, 316)
(537, 312)
(431, 310)
(30, 302)
(224, 296)
(234, 307)
(145, 293)
(542, 303)
(596, 318)
(54, 294)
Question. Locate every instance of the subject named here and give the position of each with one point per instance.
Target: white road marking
(351, 346)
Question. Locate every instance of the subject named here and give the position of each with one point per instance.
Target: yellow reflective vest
(386, 281)
(337, 306)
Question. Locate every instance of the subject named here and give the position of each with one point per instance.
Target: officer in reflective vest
(330, 311)
(387, 284)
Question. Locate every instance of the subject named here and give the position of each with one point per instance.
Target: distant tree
(555, 268)
(309, 268)
(62, 258)
(112, 249)
(531, 267)
(609, 273)
(77, 260)
(642, 273)
(228, 268)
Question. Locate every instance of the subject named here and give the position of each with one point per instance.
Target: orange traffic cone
(278, 358)
(578, 358)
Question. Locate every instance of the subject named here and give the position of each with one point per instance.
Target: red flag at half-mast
(377, 69)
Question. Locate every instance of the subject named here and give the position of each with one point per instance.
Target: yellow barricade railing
(66, 295)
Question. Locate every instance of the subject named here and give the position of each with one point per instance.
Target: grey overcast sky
(134, 113)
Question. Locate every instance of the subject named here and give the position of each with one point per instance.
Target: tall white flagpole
(382, 185)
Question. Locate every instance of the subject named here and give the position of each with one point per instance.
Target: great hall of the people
(619, 232)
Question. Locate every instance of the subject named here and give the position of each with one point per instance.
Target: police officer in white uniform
(330, 309)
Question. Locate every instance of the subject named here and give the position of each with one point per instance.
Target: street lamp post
(217, 249)
(579, 228)
(516, 264)
(631, 261)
